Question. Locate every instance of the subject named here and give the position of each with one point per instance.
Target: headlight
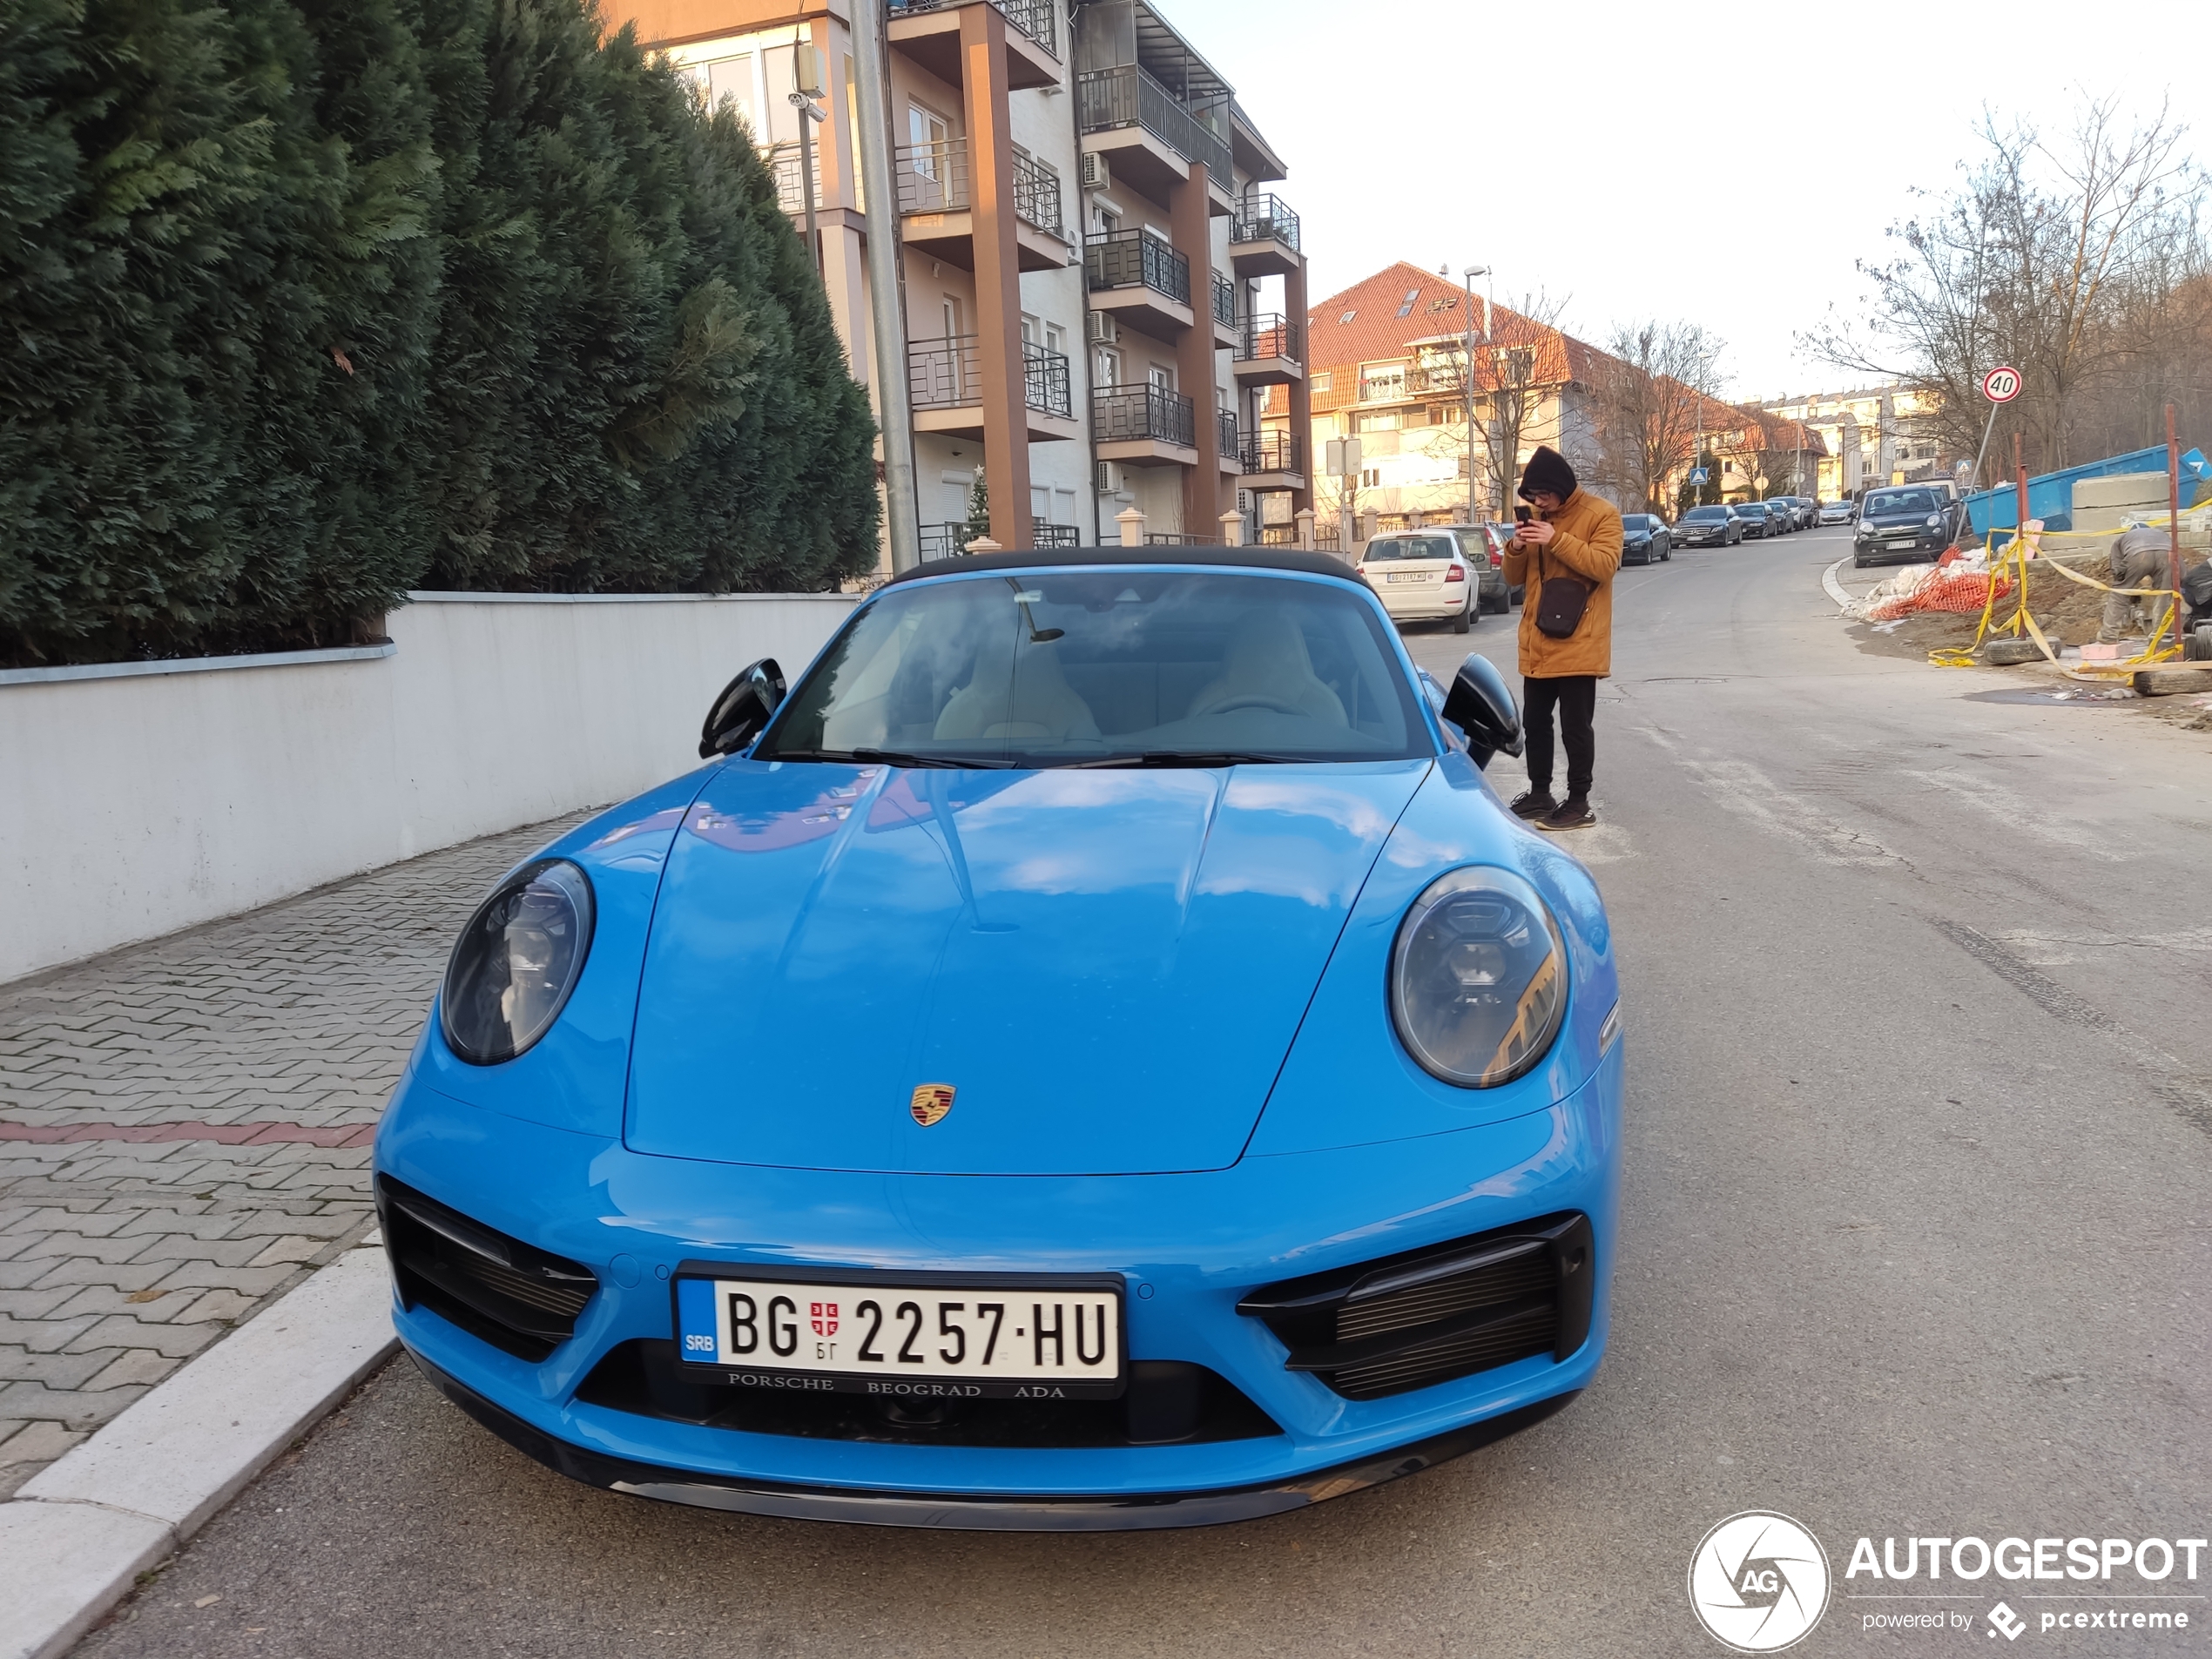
(518, 958)
(1935, 521)
(1478, 978)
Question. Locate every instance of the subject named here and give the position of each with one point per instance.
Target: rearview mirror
(1481, 706)
(742, 710)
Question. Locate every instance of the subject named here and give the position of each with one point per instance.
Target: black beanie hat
(1547, 469)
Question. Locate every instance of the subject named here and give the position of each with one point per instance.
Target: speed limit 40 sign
(2001, 384)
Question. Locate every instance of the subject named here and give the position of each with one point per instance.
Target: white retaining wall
(137, 798)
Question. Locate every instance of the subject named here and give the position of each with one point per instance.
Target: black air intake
(1428, 1316)
(511, 1294)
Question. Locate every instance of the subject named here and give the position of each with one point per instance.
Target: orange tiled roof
(1381, 317)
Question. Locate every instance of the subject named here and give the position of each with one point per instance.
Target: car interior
(1062, 668)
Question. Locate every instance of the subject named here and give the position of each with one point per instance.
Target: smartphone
(1521, 514)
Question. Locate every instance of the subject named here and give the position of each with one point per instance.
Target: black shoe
(1533, 803)
(1574, 813)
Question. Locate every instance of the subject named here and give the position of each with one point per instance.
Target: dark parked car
(1710, 527)
(1645, 539)
(1911, 522)
(1783, 511)
(1758, 526)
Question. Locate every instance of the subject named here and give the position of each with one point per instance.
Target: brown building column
(1191, 222)
(1301, 389)
(998, 274)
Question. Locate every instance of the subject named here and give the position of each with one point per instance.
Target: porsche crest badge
(931, 1103)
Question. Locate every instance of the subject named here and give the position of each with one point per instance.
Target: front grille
(1167, 1402)
(1428, 1316)
(512, 1295)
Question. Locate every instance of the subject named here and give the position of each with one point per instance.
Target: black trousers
(1575, 698)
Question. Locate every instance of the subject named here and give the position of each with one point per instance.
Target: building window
(1321, 382)
(1378, 421)
(1347, 316)
(1411, 294)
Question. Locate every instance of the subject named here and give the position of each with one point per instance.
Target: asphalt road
(1920, 1190)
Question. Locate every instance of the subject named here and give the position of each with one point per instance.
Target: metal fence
(945, 374)
(1264, 217)
(1135, 260)
(1272, 334)
(1046, 383)
(1226, 430)
(1107, 99)
(1036, 194)
(1174, 538)
(1044, 535)
(791, 181)
(1124, 413)
(1274, 452)
(933, 178)
(1224, 301)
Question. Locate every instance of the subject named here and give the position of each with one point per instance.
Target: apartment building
(1876, 434)
(1388, 359)
(1097, 286)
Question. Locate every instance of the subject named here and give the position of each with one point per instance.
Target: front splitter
(981, 1513)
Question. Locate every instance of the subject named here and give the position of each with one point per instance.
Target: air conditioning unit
(1109, 477)
(1100, 327)
(1096, 174)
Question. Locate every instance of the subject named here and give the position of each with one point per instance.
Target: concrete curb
(1835, 588)
(78, 1533)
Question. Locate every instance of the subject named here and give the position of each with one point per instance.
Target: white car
(1421, 576)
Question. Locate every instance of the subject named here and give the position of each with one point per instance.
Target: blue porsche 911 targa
(1093, 1053)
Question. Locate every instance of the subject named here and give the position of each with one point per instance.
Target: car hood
(1107, 967)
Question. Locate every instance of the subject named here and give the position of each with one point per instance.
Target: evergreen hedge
(304, 303)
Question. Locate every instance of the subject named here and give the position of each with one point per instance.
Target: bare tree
(1521, 359)
(2060, 259)
(1646, 391)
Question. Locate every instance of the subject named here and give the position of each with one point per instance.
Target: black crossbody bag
(1560, 601)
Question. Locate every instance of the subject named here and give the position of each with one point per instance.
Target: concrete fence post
(1132, 523)
(1306, 528)
(1233, 529)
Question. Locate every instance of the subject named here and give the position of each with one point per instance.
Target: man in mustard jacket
(1573, 538)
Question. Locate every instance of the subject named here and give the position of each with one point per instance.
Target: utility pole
(894, 397)
(1466, 377)
(807, 85)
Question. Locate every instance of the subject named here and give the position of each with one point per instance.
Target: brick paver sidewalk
(184, 1128)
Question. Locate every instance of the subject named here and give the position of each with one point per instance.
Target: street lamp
(1466, 376)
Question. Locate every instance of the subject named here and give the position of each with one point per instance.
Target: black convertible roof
(1244, 558)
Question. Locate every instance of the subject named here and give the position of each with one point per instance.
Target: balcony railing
(1046, 535)
(1272, 334)
(1273, 452)
(931, 178)
(948, 375)
(1224, 301)
(1225, 430)
(1036, 195)
(1108, 99)
(791, 181)
(944, 541)
(1045, 380)
(1120, 414)
(1135, 260)
(1039, 19)
(1262, 217)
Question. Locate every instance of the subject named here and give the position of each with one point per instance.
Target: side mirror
(1481, 706)
(742, 710)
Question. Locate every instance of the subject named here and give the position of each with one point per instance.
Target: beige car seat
(1047, 705)
(1267, 665)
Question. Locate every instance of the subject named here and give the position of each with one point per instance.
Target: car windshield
(1901, 501)
(1707, 512)
(1410, 547)
(1105, 667)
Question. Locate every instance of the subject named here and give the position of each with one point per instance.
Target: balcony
(946, 382)
(1150, 136)
(937, 201)
(1141, 279)
(1227, 446)
(1270, 350)
(1225, 311)
(1272, 461)
(784, 168)
(1263, 237)
(928, 32)
(1142, 426)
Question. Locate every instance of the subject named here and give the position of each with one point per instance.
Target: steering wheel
(1249, 700)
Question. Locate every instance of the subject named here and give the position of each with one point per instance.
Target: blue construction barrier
(2050, 497)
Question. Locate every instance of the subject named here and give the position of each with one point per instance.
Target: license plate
(1011, 1339)
(1405, 576)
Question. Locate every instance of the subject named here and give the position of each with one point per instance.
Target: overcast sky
(1652, 160)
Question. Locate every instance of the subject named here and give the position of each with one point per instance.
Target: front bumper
(1188, 1246)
